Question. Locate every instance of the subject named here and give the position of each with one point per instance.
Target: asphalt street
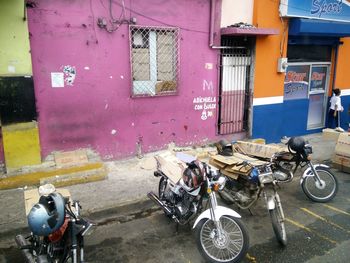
(316, 233)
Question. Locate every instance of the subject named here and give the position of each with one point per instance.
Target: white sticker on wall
(57, 80)
(209, 65)
(11, 69)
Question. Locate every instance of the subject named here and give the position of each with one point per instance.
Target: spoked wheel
(323, 191)
(229, 246)
(277, 219)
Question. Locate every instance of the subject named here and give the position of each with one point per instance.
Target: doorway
(235, 94)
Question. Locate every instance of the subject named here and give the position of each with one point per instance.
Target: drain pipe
(212, 22)
(213, 6)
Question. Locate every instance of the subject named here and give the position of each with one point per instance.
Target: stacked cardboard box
(330, 134)
(341, 159)
(259, 150)
(234, 165)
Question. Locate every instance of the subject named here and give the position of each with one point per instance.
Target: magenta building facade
(84, 74)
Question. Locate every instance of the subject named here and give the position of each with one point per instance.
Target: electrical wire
(159, 21)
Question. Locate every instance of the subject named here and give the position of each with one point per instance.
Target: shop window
(154, 60)
(309, 53)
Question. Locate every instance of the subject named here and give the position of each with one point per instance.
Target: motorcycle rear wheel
(317, 193)
(278, 224)
(232, 247)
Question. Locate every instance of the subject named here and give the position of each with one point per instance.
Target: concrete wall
(97, 110)
(19, 144)
(235, 11)
(14, 44)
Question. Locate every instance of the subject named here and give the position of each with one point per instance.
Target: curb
(121, 213)
(34, 178)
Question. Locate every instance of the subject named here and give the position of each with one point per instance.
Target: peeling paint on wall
(69, 74)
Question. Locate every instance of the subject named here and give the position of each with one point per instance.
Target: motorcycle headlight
(221, 182)
(266, 178)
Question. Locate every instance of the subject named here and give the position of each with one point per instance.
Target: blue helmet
(47, 215)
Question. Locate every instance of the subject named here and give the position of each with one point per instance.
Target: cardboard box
(343, 145)
(171, 166)
(260, 150)
(234, 165)
(330, 134)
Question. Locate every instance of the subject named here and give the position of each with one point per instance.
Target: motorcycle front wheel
(323, 192)
(231, 247)
(278, 226)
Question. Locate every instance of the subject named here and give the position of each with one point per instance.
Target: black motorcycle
(57, 231)
(220, 234)
(318, 182)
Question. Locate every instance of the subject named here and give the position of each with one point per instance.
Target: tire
(317, 194)
(278, 224)
(226, 196)
(226, 250)
(163, 183)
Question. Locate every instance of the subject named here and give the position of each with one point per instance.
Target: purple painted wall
(97, 111)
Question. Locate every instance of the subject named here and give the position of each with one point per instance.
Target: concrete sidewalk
(123, 195)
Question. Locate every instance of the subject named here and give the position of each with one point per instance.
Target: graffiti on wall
(69, 75)
(206, 104)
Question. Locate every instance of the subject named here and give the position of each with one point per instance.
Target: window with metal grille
(154, 60)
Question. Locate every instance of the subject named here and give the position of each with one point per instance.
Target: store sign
(334, 10)
(318, 79)
(296, 82)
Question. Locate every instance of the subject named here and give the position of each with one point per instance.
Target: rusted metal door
(234, 100)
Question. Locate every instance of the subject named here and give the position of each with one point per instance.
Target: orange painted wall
(267, 81)
(342, 80)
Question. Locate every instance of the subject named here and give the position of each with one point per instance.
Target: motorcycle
(317, 182)
(219, 232)
(57, 231)
(245, 190)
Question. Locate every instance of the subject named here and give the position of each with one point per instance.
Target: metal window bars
(154, 60)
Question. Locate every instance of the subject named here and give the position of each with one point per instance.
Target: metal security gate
(234, 97)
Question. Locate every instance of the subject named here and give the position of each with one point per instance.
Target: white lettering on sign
(208, 85)
(206, 105)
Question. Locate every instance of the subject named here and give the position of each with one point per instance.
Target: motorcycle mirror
(185, 157)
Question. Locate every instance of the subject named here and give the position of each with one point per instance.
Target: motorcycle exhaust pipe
(155, 199)
(23, 244)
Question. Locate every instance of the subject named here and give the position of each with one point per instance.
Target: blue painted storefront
(314, 23)
(289, 118)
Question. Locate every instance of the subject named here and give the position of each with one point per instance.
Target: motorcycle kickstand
(177, 228)
(250, 211)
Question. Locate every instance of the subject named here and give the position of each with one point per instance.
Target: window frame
(153, 33)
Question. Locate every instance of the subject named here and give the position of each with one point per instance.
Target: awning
(237, 31)
(313, 27)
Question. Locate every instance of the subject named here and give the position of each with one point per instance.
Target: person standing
(335, 109)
